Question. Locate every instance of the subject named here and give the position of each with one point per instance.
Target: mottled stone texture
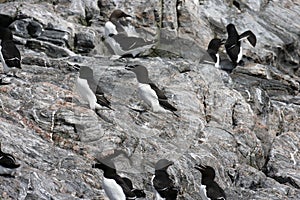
(244, 124)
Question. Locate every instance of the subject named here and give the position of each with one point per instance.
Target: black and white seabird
(164, 186)
(89, 90)
(233, 43)
(209, 188)
(8, 165)
(115, 24)
(212, 53)
(149, 92)
(9, 54)
(115, 186)
(215, 58)
(120, 40)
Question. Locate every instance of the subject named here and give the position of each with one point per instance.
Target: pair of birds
(233, 46)
(9, 54)
(89, 90)
(122, 38)
(8, 164)
(118, 188)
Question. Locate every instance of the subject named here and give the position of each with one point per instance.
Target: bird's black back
(213, 190)
(138, 192)
(101, 99)
(163, 100)
(111, 173)
(164, 185)
(232, 44)
(11, 54)
(128, 43)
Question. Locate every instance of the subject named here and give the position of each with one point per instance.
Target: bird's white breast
(113, 190)
(217, 64)
(149, 96)
(203, 194)
(5, 67)
(240, 55)
(157, 195)
(85, 92)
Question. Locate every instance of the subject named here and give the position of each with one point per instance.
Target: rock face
(244, 124)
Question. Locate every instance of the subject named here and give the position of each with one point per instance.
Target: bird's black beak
(171, 163)
(129, 67)
(128, 16)
(200, 167)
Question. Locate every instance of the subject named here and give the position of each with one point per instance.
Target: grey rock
(84, 42)
(244, 124)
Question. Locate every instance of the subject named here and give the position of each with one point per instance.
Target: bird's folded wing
(127, 191)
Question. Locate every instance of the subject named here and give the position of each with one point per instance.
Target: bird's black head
(231, 29)
(117, 14)
(163, 164)
(215, 44)
(140, 71)
(106, 166)
(206, 171)
(85, 73)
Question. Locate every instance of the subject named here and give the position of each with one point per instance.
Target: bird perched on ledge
(116, 187)
(209, 188)
(149, 92)
(233, 44)
(120, 40)
(9, 54)
(90, 91)
(163, 185)
(215, 58)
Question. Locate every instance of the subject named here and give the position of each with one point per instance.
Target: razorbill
(8, 165)
(9, 54)
(121, 41)
(219, 61)
(115, 186)
(212, 53)
(114, 25)
(233, 43)
(149, 92)
(163, 185)
(89, 90)
(209, 188)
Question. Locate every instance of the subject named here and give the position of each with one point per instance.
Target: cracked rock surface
(246, 124)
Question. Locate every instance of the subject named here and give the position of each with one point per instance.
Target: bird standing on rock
(149, 92)
(9, 54)
(121, 41)
(90, 91)
(233, 43)
(163, 185)
(116, 187)
(209, 188)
